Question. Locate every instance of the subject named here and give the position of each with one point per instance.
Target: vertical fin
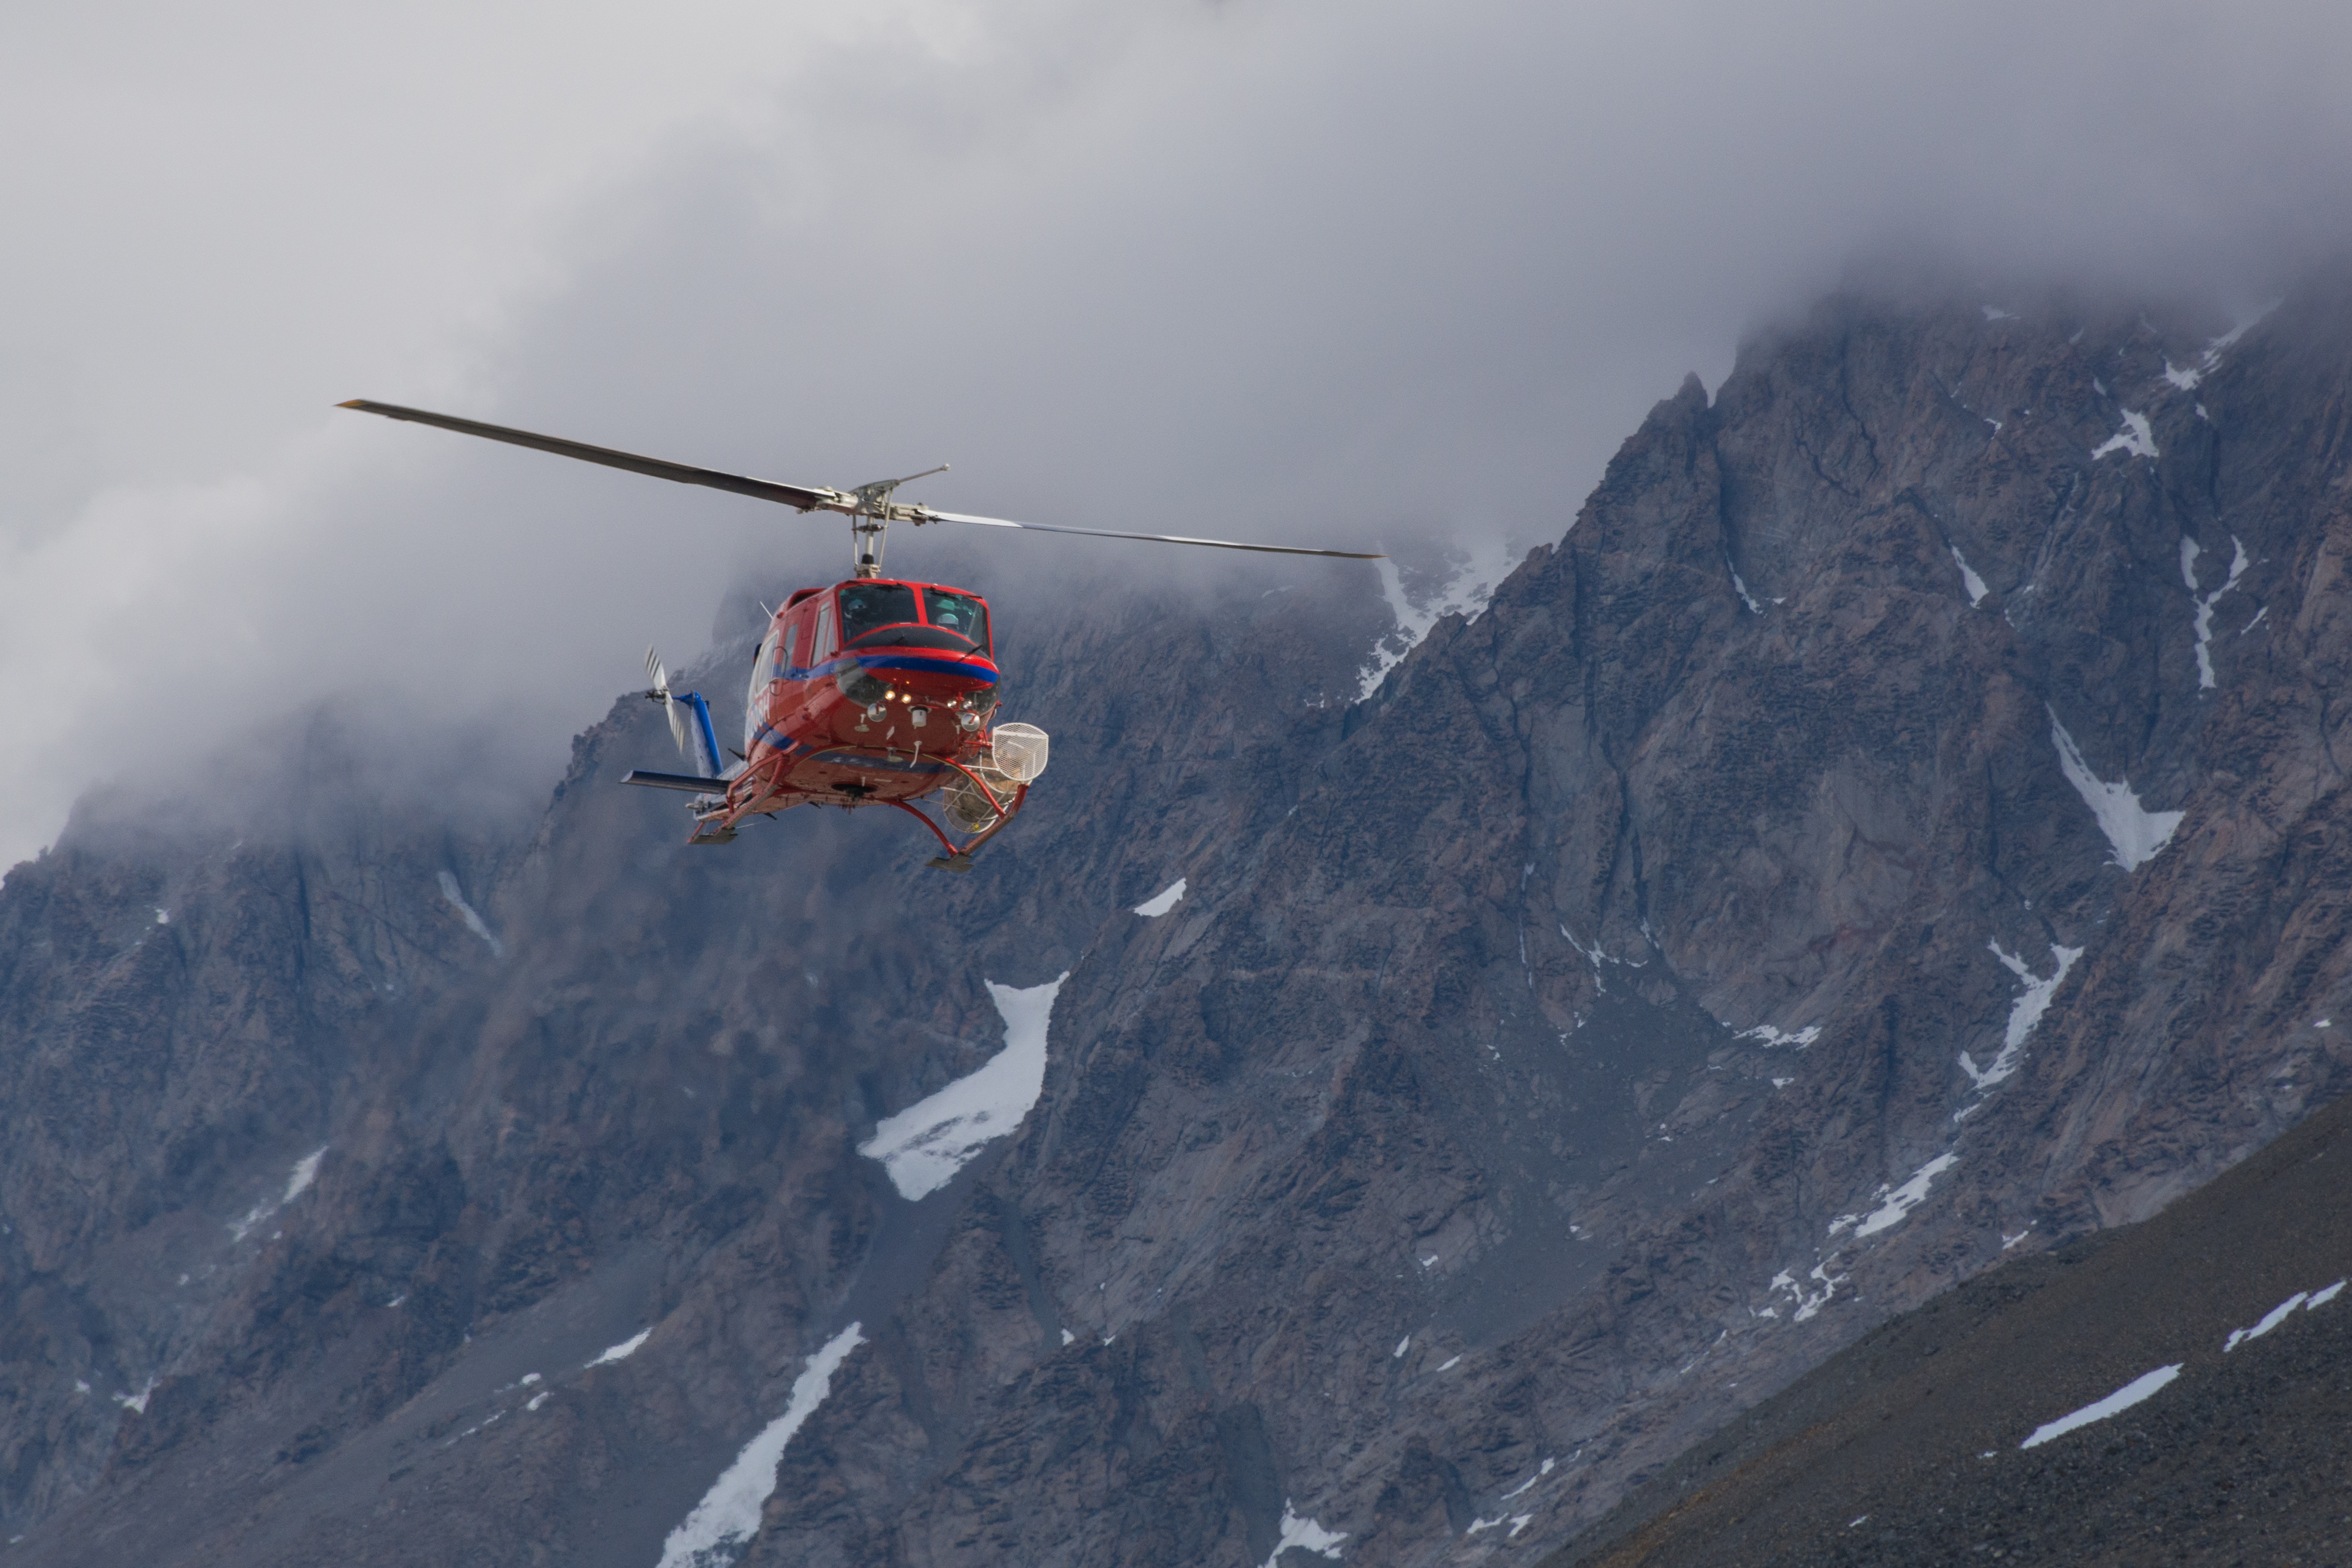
(706, 738)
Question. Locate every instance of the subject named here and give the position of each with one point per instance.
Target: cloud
(1306, 270)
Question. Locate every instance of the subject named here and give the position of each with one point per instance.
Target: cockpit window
(867, 605)
(958, 612)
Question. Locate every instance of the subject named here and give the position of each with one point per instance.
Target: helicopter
(871, 691)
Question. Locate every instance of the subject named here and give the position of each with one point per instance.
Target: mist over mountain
(1291, 269)
(1370, 1109)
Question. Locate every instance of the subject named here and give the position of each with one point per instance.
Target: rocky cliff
(1897, 826)
(2174, 1391)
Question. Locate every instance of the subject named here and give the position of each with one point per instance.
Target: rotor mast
(871, 513)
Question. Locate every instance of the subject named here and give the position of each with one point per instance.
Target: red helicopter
(871, 692)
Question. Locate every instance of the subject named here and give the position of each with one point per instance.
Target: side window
(762, 670)
(820, 645)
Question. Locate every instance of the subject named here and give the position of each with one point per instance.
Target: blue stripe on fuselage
(979, 672)
(935, 666)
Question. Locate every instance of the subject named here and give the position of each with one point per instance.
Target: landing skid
(959, 859)
(716, 820)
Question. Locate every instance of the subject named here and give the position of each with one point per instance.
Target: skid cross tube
(944, 843)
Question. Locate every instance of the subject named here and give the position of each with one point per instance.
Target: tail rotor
(661, 693)
(689, 720)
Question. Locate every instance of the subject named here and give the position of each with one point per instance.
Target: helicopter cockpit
(912, 615)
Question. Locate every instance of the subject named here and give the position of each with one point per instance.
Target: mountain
(1896, 829)
(1955, 1431)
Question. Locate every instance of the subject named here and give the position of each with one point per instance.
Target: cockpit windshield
(867, 605)
(958, 612)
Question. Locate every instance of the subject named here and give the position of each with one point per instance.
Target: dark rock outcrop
(1918, 1445)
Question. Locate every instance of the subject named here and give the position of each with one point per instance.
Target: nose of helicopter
(912, 675)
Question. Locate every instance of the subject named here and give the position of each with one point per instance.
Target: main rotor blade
(655, 467)
(929, 516)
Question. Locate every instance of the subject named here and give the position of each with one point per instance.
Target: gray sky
(1312, 269)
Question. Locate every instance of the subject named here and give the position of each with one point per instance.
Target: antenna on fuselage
(871, 519)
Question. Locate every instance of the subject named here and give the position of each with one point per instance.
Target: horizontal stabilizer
(674, 781)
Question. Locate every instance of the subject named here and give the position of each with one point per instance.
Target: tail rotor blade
(669, 704)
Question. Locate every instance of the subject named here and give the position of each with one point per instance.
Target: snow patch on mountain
(1744, 597)
(1970, 579)
(1895, 1202)
(1481, 570)
(2023, 1013)
(305, 1172)
(2191, 378)
(1163, 901)
(1531, 1480)
(2189, 551)
(2136, 834)
(1304, 1534)
(1772, 1035)
(2135, 440)
(1808, 1302)
(622, 1350)
(729, 1514)
(925, 1145)
(2310, 1302)
(298, 1182)
(2122, 1399)
(472, 917)
(1517, 1521)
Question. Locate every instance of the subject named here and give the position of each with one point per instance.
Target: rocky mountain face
(1897, 827)
(2178, 1390)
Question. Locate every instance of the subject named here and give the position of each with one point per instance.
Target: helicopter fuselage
(863, 692)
